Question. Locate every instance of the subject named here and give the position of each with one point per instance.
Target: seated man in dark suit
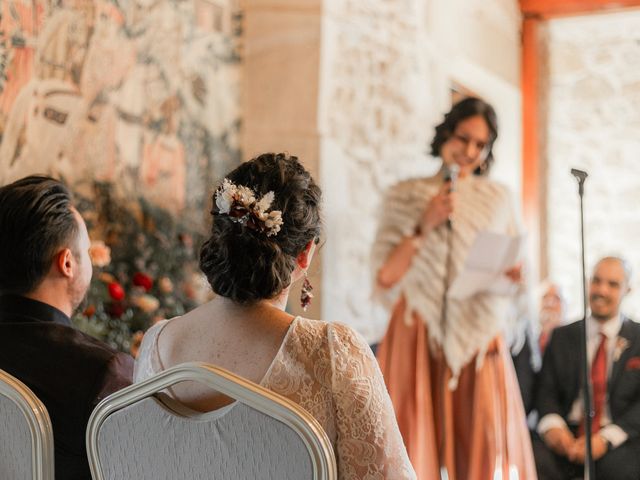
(614, 355)
(45, 272)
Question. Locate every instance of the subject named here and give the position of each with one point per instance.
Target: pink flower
(621, 345)
(100, 254)
(146, 303)
(165, 285)
(106, 277)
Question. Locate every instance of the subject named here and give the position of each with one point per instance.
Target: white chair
(135, 433)
(26, 436)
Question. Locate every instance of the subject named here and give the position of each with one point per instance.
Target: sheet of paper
(489, 257)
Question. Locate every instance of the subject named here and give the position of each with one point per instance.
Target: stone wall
(594, 124)
(386, 74)
(374, 124)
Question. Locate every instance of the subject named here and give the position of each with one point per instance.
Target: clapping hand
(560, 440)
(598, 448)
(515, 273)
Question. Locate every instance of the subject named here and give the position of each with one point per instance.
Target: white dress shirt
(609, 431)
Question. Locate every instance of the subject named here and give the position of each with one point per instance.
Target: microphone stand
(450, 175)
(589, 472)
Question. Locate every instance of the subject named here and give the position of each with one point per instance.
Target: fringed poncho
(470, 323)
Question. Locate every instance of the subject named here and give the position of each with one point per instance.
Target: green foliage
(152, 273)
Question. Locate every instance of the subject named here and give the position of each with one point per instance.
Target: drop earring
(305, 293)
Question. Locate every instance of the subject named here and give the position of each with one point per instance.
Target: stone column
(280, 83)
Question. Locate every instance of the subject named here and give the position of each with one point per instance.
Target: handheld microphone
(451, 175)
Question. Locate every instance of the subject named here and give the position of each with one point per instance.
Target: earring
(305, 293)
(483, 167)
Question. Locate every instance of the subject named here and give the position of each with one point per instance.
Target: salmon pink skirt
(477, 431)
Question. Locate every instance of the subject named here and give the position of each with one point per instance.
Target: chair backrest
(135, 433)
(26, 436)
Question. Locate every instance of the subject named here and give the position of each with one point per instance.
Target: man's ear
(304, 257)
(65, 262)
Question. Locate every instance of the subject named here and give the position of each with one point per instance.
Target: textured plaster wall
(594, 124)
(386, 72)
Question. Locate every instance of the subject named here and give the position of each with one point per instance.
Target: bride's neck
(279, 302)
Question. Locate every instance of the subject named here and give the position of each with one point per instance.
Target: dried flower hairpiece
(240, 203)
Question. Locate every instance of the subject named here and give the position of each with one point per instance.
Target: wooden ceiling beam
(545, 9)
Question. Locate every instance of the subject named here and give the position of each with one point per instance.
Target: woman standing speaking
(445, 360)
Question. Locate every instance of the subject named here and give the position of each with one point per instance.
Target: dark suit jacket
(68, 370)
(522, 362)
(560, 380)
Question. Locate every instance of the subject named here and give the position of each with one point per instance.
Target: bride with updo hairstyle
(246, 265)
(266, 221)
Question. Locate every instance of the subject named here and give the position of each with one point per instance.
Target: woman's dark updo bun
(244, 264)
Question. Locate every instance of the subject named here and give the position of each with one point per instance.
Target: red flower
(143, 280)
(115, 309)
(633, 364)
(89, 311)
(116, 292)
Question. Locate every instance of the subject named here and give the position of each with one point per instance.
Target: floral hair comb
(240, 204)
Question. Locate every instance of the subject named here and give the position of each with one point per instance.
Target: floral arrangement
(240, 203)
(145, 268)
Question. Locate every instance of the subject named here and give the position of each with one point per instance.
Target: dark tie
(599, 382)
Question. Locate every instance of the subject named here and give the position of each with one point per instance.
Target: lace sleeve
(368, 444)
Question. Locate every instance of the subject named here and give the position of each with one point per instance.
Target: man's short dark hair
(36, 219)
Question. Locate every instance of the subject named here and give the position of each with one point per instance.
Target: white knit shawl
(471, 323)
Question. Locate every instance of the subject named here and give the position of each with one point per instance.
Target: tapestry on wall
(130, 102)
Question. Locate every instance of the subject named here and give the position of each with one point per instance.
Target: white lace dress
(330, 371)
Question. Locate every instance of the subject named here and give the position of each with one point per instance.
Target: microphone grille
(451, 172)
